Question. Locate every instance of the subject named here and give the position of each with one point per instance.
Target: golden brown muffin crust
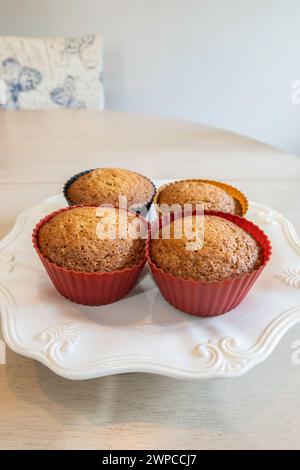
(228, 251)
(105, 185)
(70, 239)
(196, 192)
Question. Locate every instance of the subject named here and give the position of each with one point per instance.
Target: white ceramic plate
(142, 332)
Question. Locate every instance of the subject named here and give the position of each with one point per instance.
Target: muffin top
(227, 251)
(105, 185)
(196, 192)
(81, 239)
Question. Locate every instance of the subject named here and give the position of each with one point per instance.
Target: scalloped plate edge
(221, 358)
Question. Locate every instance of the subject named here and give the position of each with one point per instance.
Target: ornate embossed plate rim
(217, 358)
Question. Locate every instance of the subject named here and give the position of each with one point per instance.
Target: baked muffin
(225, 251)
(80, 239)
(105, 185)
(93, 256)
(213, 196)
(210, 278)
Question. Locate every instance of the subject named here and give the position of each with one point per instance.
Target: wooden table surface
(39, 150)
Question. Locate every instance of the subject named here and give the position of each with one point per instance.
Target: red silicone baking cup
(209, 298)
(98, 288)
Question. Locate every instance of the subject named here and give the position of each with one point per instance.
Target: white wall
(229, 63)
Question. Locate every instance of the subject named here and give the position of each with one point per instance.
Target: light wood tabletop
(39, 150)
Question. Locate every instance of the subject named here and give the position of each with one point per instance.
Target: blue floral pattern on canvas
(76, 45)
(43, 73)
(65, 95)
(18, 80)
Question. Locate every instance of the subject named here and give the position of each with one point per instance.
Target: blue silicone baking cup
(74, 178)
